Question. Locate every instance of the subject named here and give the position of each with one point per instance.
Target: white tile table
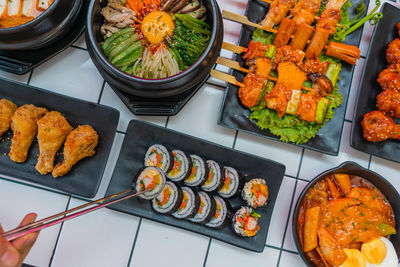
(109, 238)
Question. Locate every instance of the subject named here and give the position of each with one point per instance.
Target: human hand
(13, 253)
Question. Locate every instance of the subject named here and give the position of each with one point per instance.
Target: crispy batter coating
(377, 127)
(7, 109)
(389, 103)
(390, 78)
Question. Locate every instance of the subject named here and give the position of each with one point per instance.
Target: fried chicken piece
(329, 19)
(393, 52)
(277, 11)
(255, 81)
(278, 99)
(80, 143)
(304, 11)
(7, 109)
(307, 109)
(311, 66)
(53, 128)
(389, 103)
(377, 127)
(390, 78)
(286, 53)
(255, 50)
(23, 124)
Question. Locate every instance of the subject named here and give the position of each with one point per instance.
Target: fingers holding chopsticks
(12, 254)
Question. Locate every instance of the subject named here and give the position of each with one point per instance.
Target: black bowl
(153, 88)
(377, 180)
(44, 30)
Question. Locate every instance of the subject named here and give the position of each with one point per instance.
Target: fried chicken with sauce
(304, 11)
(287, 53)
(388, 102)
(377, 127)
(24, 127)
(311, 66)
(393, 52)
(80, 143)
(329, 19)
(53, 128)
(255, 50)
(277, 11)
(390, 78)
(7, 109)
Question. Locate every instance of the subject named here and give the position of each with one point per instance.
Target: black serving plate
(377, 180)
(235, 116)
(23, 61)
(140, 135)
(166, 106)
(384, 33)
(84, 178)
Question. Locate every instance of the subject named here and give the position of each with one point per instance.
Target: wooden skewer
(316, 17)
(235, 65)
(234, 48)
(244, 20)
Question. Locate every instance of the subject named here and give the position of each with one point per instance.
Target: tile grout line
(208, 250)
(101, 92)
(30, 77)
(134, 242)
(290, 208)
(34, 186)
(59, 234)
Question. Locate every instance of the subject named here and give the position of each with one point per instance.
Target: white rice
(198, 172)
(151, 160)
(190, 204)
(233, 175)
(222, 210)
(170, 204)
(215, 182)
(145, 177)
(184, 165)
(249, 197)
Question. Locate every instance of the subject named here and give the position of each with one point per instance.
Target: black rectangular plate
(235, 116)
(384, 33)
(85, 177)
(140, 135)
(21, 62)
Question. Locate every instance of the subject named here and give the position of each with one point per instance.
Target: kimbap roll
(245, 222)
(214, 180)
(189, 206)
(169, 200)
(159, 156)
(222, 214)
(199, 172)
(232, 182)
(182, 166)
(206, 209)
(151, 178)
(255, 193)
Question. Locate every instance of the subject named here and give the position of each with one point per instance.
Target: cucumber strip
(271, 52)
(126, 53)
(109, 40)
(322, 107)
(118, 41)
(333, 72)
(131, 59)
(293, 103)
(120, 47)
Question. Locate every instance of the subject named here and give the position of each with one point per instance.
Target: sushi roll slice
(206, 209)
(169, 200)
(222, 214)
(214, 180)
(245, 222)
(159, 156)
(189, 206)
(152, 178)
(255, 193)
(199, 172)
(182, 166)
(232, 183)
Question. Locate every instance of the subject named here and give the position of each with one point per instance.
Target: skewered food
(285, 32)
(245, 222)
(255, 193)
(388, 102)
(390, 78)
(378, 127)
(159, 156)
(24, 127)
(169, 200)
(154, 39)
(80, 144)
(17, 12)
(150, 178)
(199, 172)
(304, 12)
(7, 109)
(277, 11)
(339, 220)
(301, 36)
(53, 128)
(182, 166)
(189, 205)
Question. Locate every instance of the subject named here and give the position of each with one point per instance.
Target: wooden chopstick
(52, 220)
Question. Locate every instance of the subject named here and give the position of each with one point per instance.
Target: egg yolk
(374, 251)
(156, 25)
(354, 258)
